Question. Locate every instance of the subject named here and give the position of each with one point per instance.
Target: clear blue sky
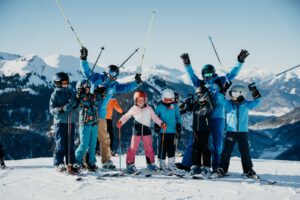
(269, 29)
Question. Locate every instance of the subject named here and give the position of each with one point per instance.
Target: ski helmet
(58, 78)
(208, 71)
(167, 96)
(112, 71)
(84, 83)
(237, 91)
(139, 94)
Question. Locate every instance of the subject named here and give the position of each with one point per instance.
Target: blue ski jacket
(63, 98)
(112, 87)
(219, 111)
(237, 118)
(171, 116)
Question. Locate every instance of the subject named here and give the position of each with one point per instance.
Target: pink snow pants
(134, 145)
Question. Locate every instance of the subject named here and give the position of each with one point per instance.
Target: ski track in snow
(37, 179)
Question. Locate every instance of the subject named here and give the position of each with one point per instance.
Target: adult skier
(215, 85)
(108, 81)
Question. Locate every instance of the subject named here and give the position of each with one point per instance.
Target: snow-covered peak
(23, 65)
(8, 56)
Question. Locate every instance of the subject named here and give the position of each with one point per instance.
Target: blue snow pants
(88, 141)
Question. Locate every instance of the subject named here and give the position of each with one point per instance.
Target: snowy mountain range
(29, 78)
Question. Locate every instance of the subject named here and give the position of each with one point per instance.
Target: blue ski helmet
(112, 71)
(58, 78)
(208, 71)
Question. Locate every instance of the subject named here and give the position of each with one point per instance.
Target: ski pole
(139, 69)
(136, 50)
(162, 144)
(67, 20)
(102, 48)
(210, 38)
(120, 148)
(273, 76)
(69, 160)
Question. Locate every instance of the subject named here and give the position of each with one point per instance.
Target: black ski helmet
(112, 71)
(58, 78)
(208, 71)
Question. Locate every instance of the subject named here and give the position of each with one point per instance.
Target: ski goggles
(202, 96)
(112, 74)
(208, 75)
(235, 94)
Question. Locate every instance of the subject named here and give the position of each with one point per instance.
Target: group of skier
(213, 117)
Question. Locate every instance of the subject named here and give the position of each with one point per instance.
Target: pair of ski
(254, 177)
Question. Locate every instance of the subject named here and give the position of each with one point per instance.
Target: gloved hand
(84, 53)
(156, 128)
(164, 126)
(242, 56)
(178, 128)
(100, 90)
(185, 58)
(254, 90)
(119, 124)
(138, 78)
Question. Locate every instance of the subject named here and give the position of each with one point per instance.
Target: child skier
(202, 109)
(88, 124)
(168, 111)
(216, 84)
(62, 104)
(108, 80)
(2, 164)
(237, 110)
(142, 114)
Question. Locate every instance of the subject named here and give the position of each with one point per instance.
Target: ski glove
(242, 56)
(138, 78)
(156, 128)
(185, 58)
(178, 128)
(84, 53)
(164, 126)
(254, 90)
(119, 124)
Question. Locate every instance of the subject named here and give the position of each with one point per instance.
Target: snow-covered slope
(36, 179)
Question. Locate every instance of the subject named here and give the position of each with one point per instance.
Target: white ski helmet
(238, 90)
(168, 95)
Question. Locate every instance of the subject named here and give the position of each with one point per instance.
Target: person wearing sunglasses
(216, 84)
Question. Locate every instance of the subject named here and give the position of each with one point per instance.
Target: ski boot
(73, 169)
(92, 167)
(108, 165)
(152, 167)
(162, 165)
(61, 168)
(2, 166)
(195, 169)
(251, 174)
(205, 171)
(219, 173)
(131, 169)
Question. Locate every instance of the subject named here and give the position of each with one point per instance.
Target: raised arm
(235, 71)
(188, 68)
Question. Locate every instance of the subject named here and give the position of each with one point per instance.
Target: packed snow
(36, 179)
